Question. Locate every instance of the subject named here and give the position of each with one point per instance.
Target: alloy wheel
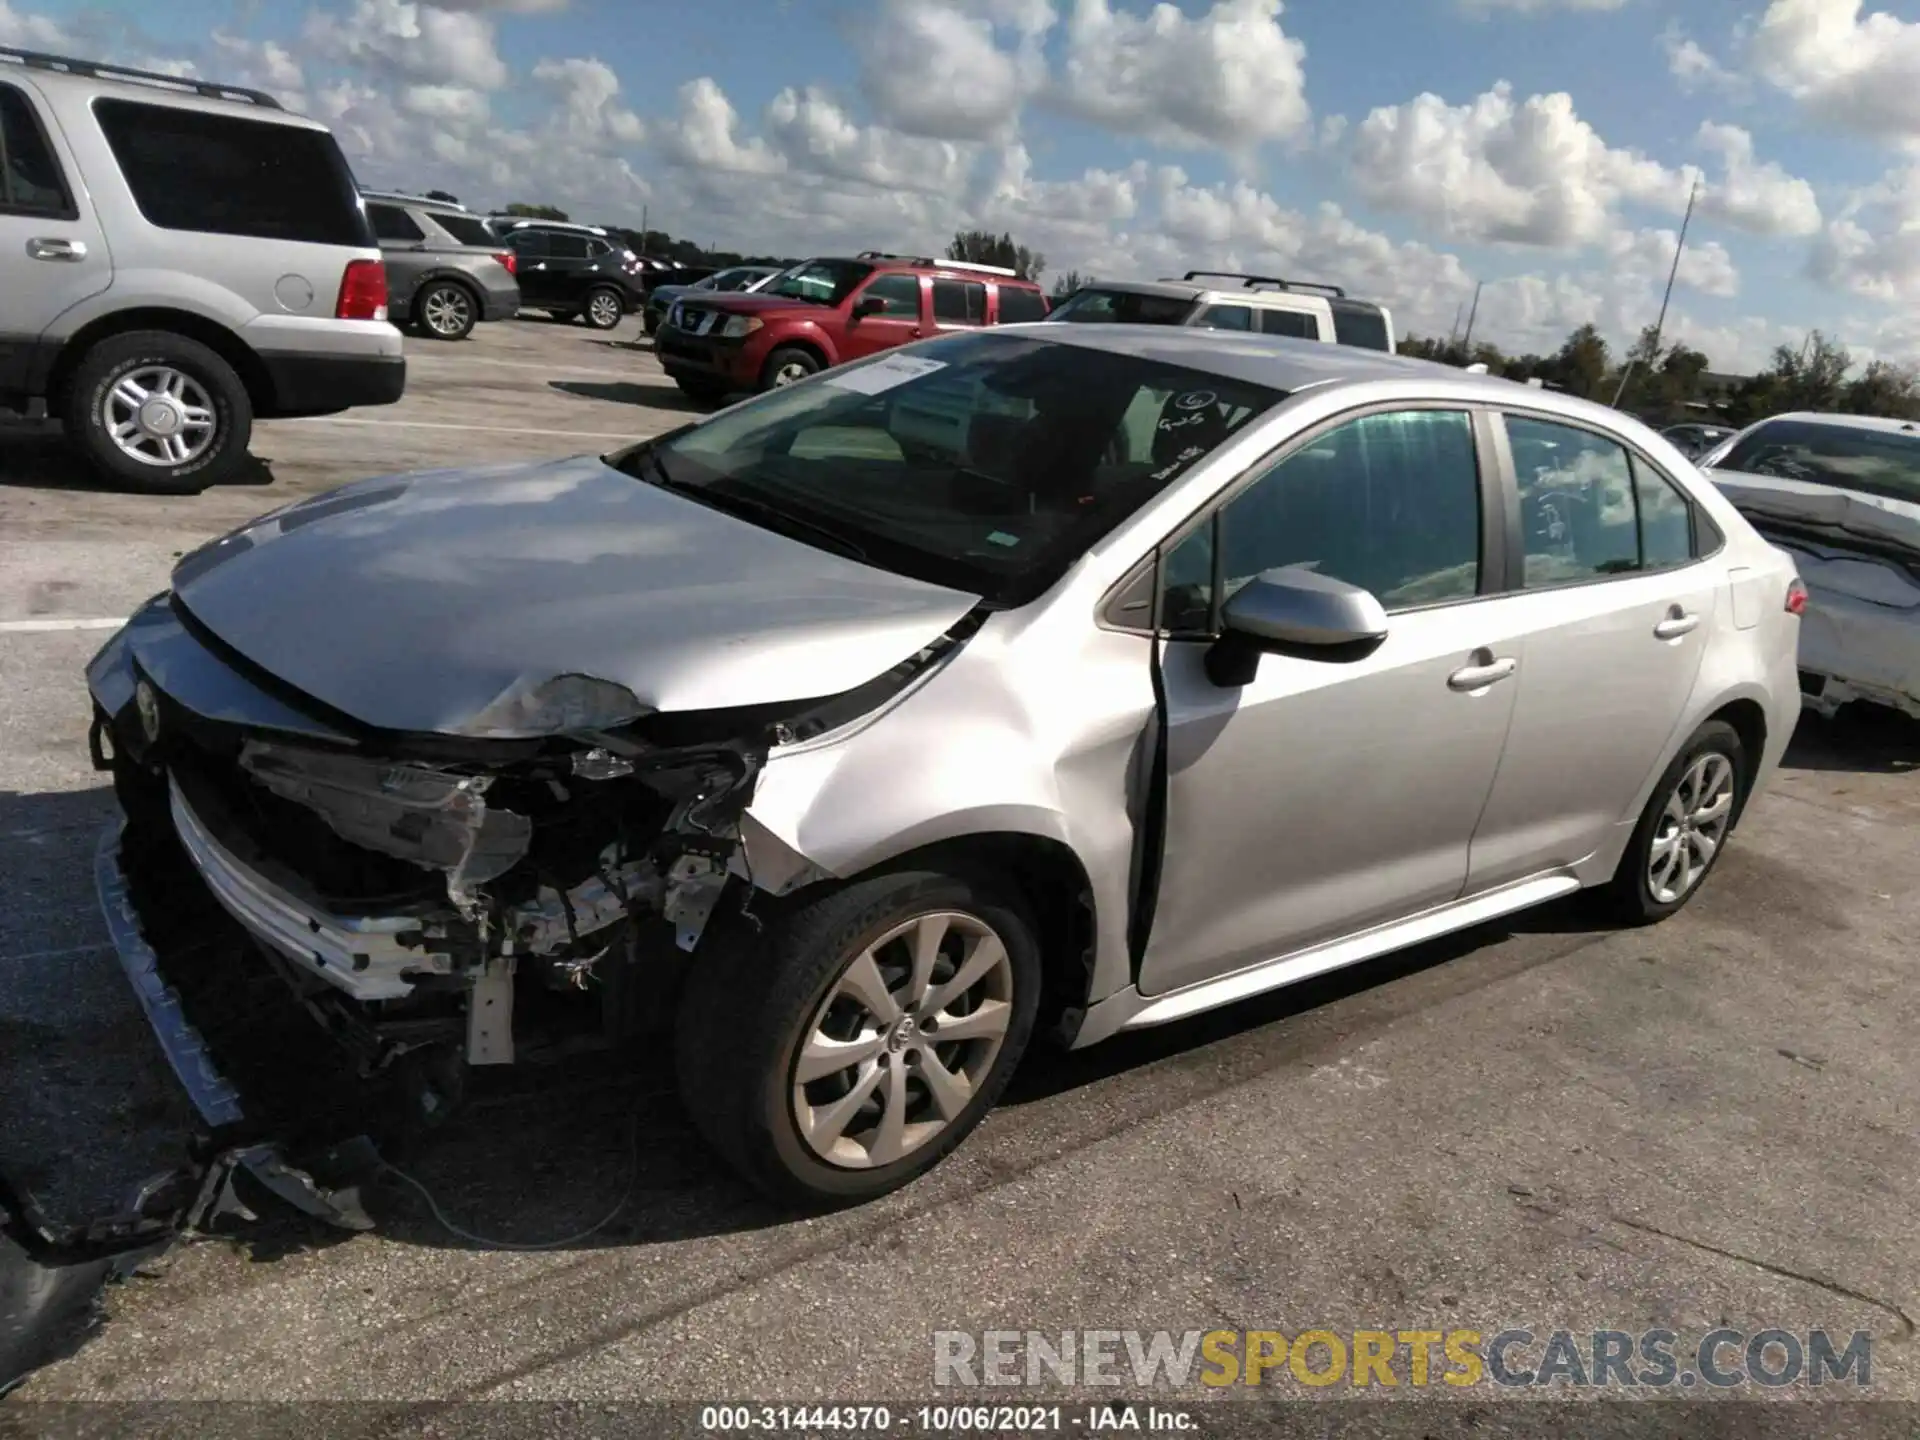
(1691, 827)
(904, 1040)
(788, 373)
(159, 416)
(604, 311)
(448, 311)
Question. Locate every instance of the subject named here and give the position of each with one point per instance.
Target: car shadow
(626, 392)
(36, 457)
(1873, 739)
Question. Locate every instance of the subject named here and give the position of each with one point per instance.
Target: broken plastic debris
(600, 764)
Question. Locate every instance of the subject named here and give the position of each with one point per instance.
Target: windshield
(987, 463)
(825, 282)
(1123, 307)
(1848, 457)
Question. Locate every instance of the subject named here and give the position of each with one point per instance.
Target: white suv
(176, 258)
(1261, 304)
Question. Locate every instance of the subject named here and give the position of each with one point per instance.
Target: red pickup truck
(827, 311)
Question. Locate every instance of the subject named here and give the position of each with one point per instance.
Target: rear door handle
(1478, 677)
(1677, 623)
(43, 247)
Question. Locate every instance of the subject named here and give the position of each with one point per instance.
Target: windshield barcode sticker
(884, 374)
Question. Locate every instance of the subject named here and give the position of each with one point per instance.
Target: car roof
(1884, 423)
(54, 73)
(1287, 364)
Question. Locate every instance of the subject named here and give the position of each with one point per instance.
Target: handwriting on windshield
(1174, 464)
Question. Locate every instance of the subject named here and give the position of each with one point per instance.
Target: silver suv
(177, 258)
(1258, 304)
(446, 269)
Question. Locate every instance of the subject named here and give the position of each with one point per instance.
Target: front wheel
(1683, 829)
(786, 366)
(863, 1038)
(159, 412)
(604, 309)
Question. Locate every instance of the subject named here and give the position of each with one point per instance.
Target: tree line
(1670, 383)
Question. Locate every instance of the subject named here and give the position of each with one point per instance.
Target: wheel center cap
(159, 417)
(905, 1031)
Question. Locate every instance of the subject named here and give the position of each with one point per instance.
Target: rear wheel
(863, 1038)
(1683, 829)
(446, 310)
(159, 412)
(604, 308)
(787, 365)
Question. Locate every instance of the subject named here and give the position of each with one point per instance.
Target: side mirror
(868, 305)
(1294, 611)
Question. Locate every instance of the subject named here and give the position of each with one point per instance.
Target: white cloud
(1642, 259)
(588, 92)
(703, 135)
(1693, 66)
(1873, 247)
(421, 43)
(1752, 195)
(1483, 8)
(937, 67)
(814, 135)
(1852, 70)
(1532, 173)
(36, 32)
(518, 7)
(1231, 78)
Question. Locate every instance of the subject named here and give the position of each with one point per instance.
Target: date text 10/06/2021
(945, 1419)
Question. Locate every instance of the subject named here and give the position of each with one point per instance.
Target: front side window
(30, 180)
(959, 302)
(1847, 457)
(229, 175)
(1123, 307)
(1389, 502)
(529, 244)
(390, 222)
(898, 294)
(987, 461)
(1577, 511)
(824, 282)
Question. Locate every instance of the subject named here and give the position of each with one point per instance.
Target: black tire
(119, 357)
(787, 359)
(704, 391)
(1629, 898)
(650, 322)
(746, 1011)
(453, 294)
(604, 308)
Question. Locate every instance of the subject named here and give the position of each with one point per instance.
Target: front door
(1620, 614)
(1331, 795)
(899, 318)
(52, 252)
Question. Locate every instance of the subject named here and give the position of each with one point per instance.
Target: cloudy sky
(1404, 149)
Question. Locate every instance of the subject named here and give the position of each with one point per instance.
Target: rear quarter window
(229, 175)
(467, 229)
(1364, 328)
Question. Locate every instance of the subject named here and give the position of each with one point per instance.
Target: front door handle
(1677, 623)
(1478, 677)
(43, 247)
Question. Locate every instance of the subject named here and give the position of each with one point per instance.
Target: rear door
(52, 252)
(401, 241)
(1619, 608)
(1292, 321)
(958, 304)
(539, 283)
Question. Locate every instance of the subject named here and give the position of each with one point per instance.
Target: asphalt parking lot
(1535, 1125)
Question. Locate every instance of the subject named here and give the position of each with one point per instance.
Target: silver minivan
(177, 259)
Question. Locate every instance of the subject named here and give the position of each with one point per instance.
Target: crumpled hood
(1806, 502)
(420, 602)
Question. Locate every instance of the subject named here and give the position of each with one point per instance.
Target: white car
(1841, 494)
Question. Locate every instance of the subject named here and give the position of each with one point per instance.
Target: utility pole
(1454, 333)
(1466, 340)
(643, 227)
(1660, 324)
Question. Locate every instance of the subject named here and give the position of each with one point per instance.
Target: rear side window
(467, 229)
(1297, 323)
(30, 179)
(567, 247)
(390, 222)
(528, 242)
(1018, 306)
(1226, 317)
(959, 302)
(229, 175)
(1367, 328)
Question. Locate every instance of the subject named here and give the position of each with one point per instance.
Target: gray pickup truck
(446, 269)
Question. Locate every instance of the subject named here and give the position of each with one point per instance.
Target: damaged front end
(434, 902)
